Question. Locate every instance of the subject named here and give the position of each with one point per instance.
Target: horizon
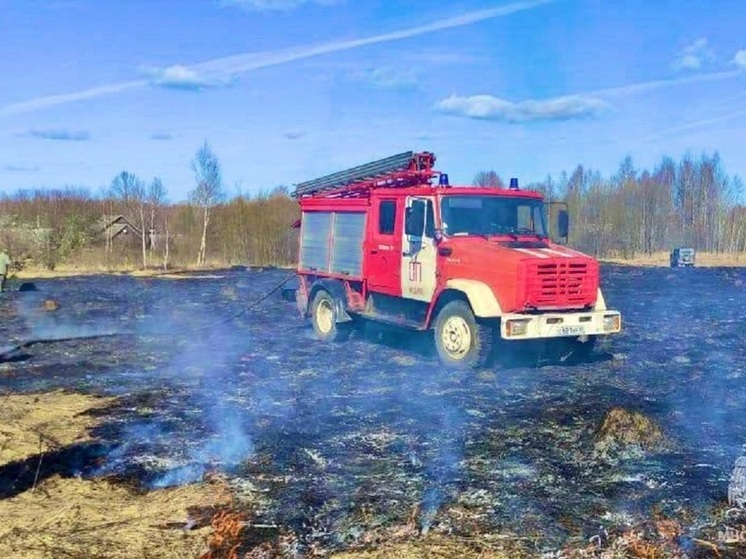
(288, 90)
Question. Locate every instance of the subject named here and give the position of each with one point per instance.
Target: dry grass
(96, 519)
(436, 547)
(182, 272)
(35, 423)
(71, 271)
(626, 427)
(75, 518)
(702, 259)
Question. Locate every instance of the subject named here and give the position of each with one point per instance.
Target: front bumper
(559, 325)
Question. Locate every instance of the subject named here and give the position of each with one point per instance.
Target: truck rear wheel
(324, 318)
(462, 342)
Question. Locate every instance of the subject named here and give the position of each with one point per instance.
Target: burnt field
(345, 446)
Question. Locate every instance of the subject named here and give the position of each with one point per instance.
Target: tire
(462, 342)
(324, 319)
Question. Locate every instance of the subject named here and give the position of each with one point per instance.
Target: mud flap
(336, 290)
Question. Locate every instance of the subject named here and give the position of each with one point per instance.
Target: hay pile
(34, 423)
(623, 430)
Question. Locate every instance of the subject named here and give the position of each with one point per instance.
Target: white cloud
(694, 56)
(740, 59)
(20, 168)
(269, 5)
(410, 70)
(59, 135)
(295, 134)
(394, 77)
(162, 136)
(183, 77)
(487, 107)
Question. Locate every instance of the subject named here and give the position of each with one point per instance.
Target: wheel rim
(456, 337)
(325, 316)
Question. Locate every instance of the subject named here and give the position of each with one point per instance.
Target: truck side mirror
(563, 223)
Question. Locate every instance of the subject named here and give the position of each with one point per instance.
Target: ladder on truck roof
(402, 170)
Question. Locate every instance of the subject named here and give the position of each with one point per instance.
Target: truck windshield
(492, 215)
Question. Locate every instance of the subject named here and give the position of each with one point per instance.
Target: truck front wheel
(462, 342)
(324, 320)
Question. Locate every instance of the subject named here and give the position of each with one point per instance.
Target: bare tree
(156, 199)
(208, 192)
(128, 188)
(488, 179)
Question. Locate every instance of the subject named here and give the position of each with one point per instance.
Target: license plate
(571, 330)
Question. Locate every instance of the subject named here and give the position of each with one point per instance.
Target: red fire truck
(388, 242)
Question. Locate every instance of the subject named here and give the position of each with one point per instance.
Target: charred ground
(345, 444)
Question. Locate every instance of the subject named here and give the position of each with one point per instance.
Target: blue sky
(286, 90)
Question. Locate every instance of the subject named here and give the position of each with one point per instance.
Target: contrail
(653, 85)
(252, 61)
(696, 124)
(246, 62)
(52, 100)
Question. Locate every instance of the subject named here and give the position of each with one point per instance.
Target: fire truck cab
(388, 242)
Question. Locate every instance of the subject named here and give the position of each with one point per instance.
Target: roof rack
(401, 170)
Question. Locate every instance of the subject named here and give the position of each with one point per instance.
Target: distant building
(118, 227)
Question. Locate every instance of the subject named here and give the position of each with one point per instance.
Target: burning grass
(32, 424)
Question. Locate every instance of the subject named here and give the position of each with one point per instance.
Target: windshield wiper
(524, 231)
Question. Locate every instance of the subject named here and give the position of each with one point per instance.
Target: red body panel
(522, 281)
(549, 278)
(382, 252)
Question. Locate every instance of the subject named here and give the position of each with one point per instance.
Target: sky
(287, 90)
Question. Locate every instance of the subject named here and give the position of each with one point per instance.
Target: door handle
(374, 251)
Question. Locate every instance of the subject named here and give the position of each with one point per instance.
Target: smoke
(227, 445)
(204, 366)
(45, 318)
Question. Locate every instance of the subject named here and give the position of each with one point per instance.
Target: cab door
(384, 247)
(418, 256)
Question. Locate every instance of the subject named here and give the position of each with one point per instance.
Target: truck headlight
(517, 327)
(612, 323)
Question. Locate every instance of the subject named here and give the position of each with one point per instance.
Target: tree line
(131, 224)
(692, 202)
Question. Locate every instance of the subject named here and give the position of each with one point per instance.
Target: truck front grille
(563, 283)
